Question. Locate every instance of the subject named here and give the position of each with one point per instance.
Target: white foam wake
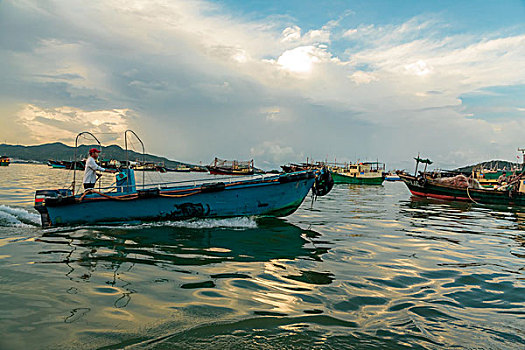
(235, 223)
(238, 223)
(17, 217)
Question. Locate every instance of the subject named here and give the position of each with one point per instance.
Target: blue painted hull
(269, 197)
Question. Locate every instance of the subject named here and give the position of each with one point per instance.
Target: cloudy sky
(276, 81)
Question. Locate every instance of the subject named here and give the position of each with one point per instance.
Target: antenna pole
(417, 163)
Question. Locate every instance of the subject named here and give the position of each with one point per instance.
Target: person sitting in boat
(90, 172)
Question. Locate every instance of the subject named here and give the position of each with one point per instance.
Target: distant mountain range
(492, 164)
(60, 151)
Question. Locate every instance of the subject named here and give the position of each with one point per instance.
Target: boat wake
(238, 223)
(17, 217)
(230, 223)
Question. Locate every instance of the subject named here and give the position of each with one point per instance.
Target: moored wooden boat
(110, 164)
(149, 166)
(467, 189)
(392, 177)
(429, 188)
(490, 178)
(5, 161)
(231, 167)
(308, 165)
(180, 169)
(368, 173)
(290, 168)
(55, 164)
(199, 169)
(66, 164)
(343, 178)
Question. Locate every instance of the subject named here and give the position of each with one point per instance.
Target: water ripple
(365, 267)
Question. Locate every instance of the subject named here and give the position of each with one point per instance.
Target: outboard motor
(125, 181)
(43, 197)
(323, 183)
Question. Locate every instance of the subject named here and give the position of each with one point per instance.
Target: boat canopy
(423, 161)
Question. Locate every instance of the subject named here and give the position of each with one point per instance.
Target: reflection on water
(175, 268)
(364, 267)
(270, 239)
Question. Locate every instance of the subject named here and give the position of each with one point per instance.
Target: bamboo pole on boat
(417, 164)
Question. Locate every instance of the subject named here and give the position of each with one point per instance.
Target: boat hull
(343, 179)
(219, 171)
(179, 170)
(65, 164)
(277, 198)
(484, 196)
(391, 178)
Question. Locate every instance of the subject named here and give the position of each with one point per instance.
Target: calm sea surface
(365, 267)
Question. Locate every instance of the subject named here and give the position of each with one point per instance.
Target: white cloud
(302, 59)
(318, 36)
(350, 32)
(272, 113)
(292, 33)
(315, 36)
(240, 56)
(360, 77)
(419, 68)
(274, 152)
(191, 70)
(64, 123)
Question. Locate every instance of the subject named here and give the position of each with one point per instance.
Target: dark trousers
(86, 186)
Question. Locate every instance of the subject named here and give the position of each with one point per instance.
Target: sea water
(363, 267)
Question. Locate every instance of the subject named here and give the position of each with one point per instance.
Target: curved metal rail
(75, 157)
(127, 154)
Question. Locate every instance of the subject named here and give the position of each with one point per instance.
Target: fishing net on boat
(507, 179)
(510, 182)
(460, 181)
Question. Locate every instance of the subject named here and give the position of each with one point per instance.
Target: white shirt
(90, 175)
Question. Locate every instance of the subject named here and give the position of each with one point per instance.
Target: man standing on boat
(90, 172)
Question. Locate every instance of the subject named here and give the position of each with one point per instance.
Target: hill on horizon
(491, 164)
(59, 151)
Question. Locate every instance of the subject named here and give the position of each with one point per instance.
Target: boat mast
(417, 163)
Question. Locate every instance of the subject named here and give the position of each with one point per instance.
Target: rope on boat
(118, 198)
(178, 195)
(136, 196)
(468, 193)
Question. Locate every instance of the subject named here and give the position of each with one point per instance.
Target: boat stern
(41, 196)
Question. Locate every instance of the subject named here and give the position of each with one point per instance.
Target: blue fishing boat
(258, 195)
